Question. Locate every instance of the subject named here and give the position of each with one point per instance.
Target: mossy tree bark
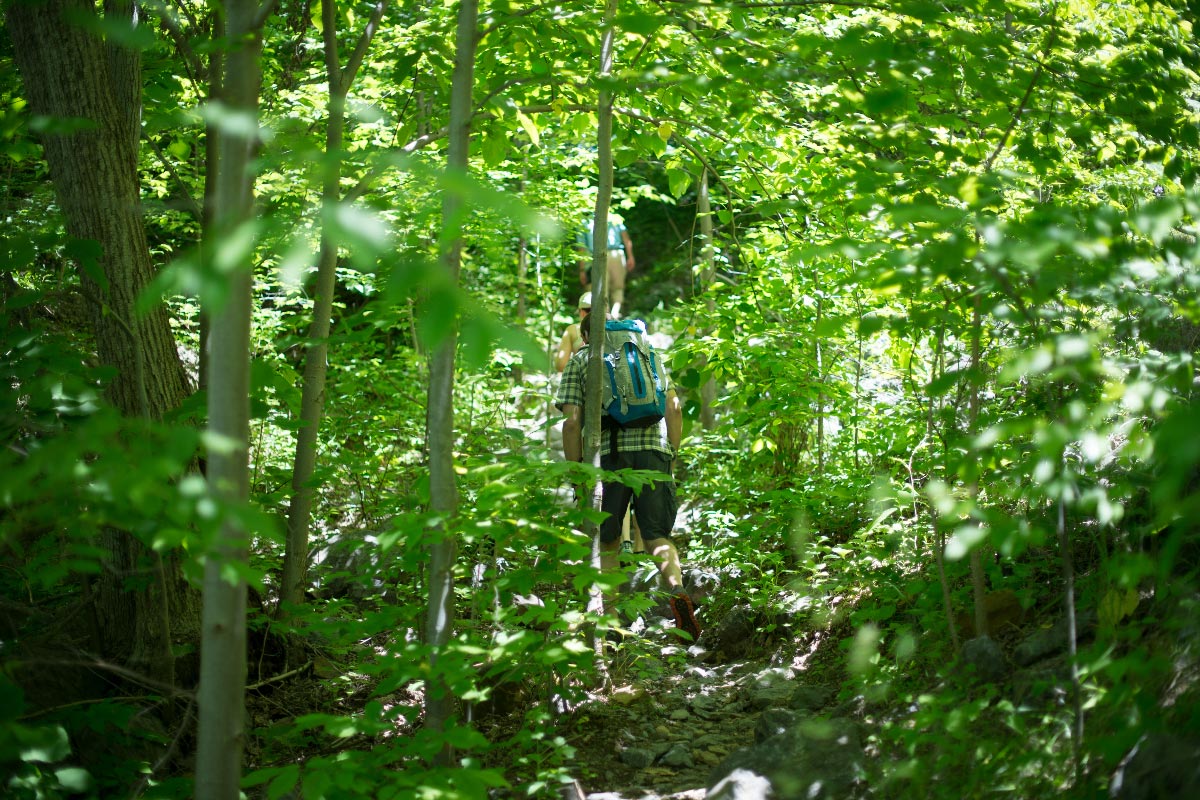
(91, 88)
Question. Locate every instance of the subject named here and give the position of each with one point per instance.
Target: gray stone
(774, 676)
(773, 722)
(637, 757)
(1045, 642)
(814, 759)
(985, 657)
(733, 634)
(1159, 766)
(701, 584)
(680, 755)
(1040, 644)
(1041, 685)
(770, 696)
(713, 707)
(810, 698)
(660, 749)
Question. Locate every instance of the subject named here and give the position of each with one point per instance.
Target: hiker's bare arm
(674, 419)
(628, 250)
(585, 265)
(573, 432)
(563, 354)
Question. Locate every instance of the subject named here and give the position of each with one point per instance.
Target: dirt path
(669, 719)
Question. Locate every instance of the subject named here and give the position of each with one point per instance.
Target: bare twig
(281, 676)
(166, 756)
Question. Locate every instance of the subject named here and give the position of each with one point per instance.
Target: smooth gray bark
(221, 730)
(443, 492)
(708, 392)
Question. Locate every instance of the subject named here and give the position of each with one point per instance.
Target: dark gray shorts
(654, 503)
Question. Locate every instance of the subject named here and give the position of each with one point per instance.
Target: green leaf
(46, 745)
(12, 699)
(531, 128)
(74, 779)
(964, 540)
(284, 782)
(679, 182)
(640, 24)
(439, 313)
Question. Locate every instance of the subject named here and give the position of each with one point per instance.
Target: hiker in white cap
(572, 341)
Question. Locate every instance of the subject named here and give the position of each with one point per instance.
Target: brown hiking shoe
(685, 616)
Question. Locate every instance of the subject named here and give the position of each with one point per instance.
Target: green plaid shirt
(572, 391)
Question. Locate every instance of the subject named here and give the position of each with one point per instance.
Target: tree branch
(1051, 36)
(193, 207)
(281, 676)
(360, 49)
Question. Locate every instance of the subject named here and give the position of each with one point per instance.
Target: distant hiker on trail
(572, 340)
(635, 446)
(620, 260)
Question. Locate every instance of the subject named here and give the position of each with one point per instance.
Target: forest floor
(670, 713)
(683, 722)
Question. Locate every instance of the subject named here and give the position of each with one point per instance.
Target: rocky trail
(679, 722)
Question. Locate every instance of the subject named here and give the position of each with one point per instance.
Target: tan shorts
(616, 277)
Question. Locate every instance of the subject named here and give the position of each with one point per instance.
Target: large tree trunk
(443, 492)
(92, 89)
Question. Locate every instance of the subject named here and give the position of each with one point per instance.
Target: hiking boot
(685, 616)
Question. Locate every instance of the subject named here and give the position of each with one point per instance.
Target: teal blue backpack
(635, 394)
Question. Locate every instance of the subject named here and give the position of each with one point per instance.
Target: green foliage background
(915, 206)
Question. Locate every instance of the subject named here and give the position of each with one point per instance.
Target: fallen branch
(280, 677)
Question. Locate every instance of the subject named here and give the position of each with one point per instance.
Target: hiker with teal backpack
(619, 259)
(642, 423)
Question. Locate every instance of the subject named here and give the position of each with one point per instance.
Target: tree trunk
(220, 732)
(591, 402)
(443, 493)
(708, 392)
(818, 357)
(212, 159)
(71, 74)
(978, 583)
(312, 403)
(522, 297)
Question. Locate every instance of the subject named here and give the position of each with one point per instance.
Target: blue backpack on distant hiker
(634, 394)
